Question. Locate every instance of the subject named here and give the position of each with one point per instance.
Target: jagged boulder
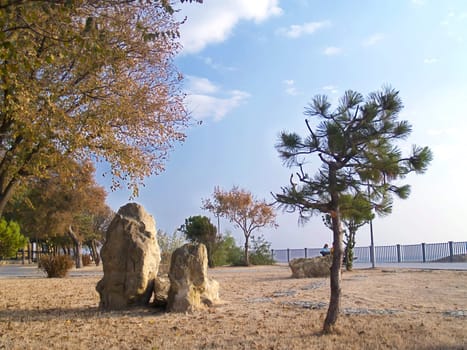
(319, 266)
(190, 287)
(130, 258)
(161, 290)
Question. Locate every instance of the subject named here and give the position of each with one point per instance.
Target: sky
(251, 67)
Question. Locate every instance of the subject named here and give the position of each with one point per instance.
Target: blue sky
(251, 67)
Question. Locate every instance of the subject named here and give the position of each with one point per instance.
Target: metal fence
(423, 252)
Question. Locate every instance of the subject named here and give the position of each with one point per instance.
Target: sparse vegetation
(56, 265)
(86, 259)
(260, 253)
(167, 244)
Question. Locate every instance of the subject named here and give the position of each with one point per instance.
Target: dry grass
(263, 308)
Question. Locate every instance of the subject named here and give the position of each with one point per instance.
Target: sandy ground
(262, 308)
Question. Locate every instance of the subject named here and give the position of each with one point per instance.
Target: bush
(261, 252)
(226, 252)
(11, 239)
(167, 244)
(56, 265)
(87, 260)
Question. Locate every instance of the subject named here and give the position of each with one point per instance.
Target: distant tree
(199, 229)
(356, 211)
(11, 238)
(355, 144)
(88, 80)
(227, 252)
(97, 225)
(241, 208)
(261, 251)
(62, 204)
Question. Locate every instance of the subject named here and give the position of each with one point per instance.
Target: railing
(424, 252)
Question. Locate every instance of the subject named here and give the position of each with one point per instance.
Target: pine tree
(356, 146)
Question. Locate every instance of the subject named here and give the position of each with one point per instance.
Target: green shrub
(11, 238)
(261, 251)
(56, 265)
(226, 252)
(86, 258)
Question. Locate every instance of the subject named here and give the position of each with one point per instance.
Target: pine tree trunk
(349, 251)
(334, 302)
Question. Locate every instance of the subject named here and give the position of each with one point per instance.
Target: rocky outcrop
(161, 290)
(190, 287)
(130, 258)
(311, 267)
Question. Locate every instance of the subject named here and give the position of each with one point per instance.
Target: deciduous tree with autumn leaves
(87, 80)
(241, 208)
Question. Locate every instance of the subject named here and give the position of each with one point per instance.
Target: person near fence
(325, 250)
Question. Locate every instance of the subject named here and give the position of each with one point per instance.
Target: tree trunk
(95, 254)
(29, 252)
(349, 253)
(334, 302)
(6, 194)
(246, 258)
(78, 247)
(209, 251)
(335, 278)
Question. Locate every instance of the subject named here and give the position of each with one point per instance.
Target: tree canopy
(356, 147)
(87, 80)
(241, 208)
(199, 229)
(11, 238)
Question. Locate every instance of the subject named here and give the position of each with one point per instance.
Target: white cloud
(200, 85)
(373, 39)
(454, 24)
(331, 88)
(418, 2)
(448, 144)
(213, 22)
(431, 60)
(215, 65)
(290, 88)
(206, 100)
(332, 51)
(297, 30)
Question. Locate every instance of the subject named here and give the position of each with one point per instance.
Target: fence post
(423, 252)
(398, 253)
(288, 255)
(306, 255)
(451, 252)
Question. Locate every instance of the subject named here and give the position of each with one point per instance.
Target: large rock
(311, 267)
(130, 258)
(161, 290)
(190, 287)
